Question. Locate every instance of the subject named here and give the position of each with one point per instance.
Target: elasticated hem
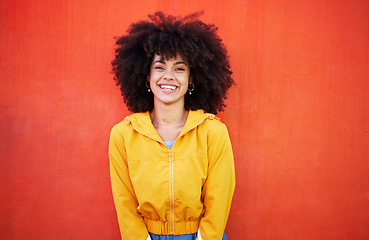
(163, 228)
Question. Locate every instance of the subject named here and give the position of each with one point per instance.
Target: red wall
(298, 117)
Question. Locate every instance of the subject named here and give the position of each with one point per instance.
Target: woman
(171, 161)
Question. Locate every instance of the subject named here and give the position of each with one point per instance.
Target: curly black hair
(167, 35)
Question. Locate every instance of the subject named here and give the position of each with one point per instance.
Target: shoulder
(212, 124)
(132, 118)
(120, 125)
(129, 126)
(126, 123)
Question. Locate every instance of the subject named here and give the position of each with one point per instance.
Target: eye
(159, 67)
(180, 68)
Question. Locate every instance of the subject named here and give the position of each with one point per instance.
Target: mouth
(168, 87)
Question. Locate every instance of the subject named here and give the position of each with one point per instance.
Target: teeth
(168, 87)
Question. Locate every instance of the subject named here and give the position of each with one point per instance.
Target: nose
(168, 75)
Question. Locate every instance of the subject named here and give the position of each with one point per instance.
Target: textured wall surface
(298, 117)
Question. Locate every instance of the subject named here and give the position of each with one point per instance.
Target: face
(169, 80)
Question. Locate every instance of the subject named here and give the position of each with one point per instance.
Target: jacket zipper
(171, 185)
(171, 182)
(171, 192)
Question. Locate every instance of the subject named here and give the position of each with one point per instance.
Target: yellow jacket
(171, 191)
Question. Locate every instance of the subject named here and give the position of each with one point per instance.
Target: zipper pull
(170, 155)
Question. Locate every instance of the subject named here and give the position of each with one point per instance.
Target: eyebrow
(176, 63)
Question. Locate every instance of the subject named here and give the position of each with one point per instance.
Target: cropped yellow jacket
(171, 191)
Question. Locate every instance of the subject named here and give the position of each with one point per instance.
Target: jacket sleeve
(219, 186)
(131, 224)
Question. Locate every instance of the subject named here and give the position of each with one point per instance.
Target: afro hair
(167, 35)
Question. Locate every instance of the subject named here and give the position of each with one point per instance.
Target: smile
(168, 87)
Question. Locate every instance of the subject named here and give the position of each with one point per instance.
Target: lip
(168, 87)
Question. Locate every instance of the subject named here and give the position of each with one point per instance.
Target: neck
(168, 114)
(168, 111)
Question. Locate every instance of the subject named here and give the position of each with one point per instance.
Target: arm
(219, 185)
(130, 221)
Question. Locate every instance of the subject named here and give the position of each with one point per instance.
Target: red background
(298, 117)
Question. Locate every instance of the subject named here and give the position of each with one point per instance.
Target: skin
(169, 81)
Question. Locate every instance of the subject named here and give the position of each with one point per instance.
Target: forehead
(161, 58)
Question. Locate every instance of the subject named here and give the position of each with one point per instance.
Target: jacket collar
(141, 122)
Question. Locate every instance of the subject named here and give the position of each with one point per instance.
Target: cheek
(153, 77)
(186, 82)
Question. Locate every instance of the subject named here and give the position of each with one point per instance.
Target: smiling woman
(171, 161)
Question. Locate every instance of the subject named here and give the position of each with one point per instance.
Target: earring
(147, 84)
(191, 87)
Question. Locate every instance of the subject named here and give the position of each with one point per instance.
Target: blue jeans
(178, 237)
